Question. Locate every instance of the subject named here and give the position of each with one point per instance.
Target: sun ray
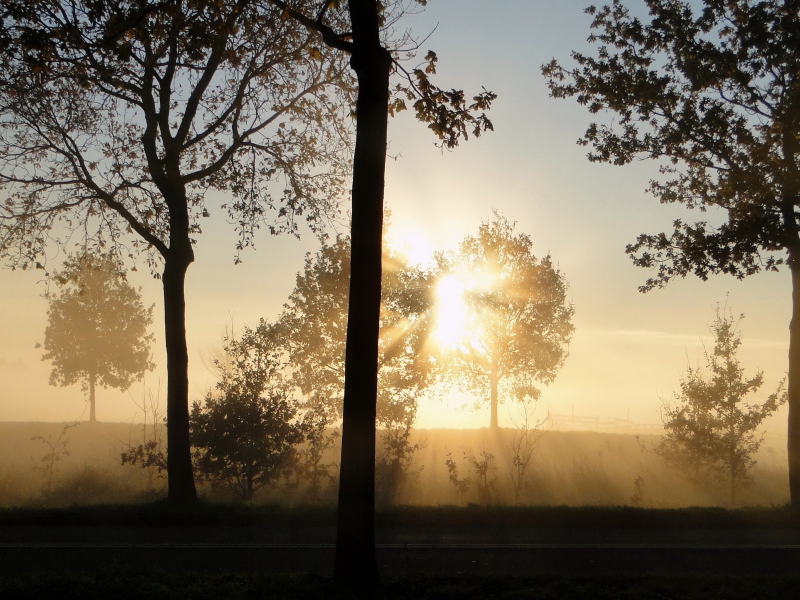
(452, 314)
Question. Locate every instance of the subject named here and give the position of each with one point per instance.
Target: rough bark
(793, 445)
(355, 534)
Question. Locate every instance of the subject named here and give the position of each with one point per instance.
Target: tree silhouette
(313, 326)
(358, 32)
(245, 436)
(710, 429)
(714, 94)
(313, 330)
(97, 327)
(118, 118)
(518, 321)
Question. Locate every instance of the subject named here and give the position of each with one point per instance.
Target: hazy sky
(629, 349)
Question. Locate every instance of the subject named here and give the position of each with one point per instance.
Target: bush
(244, 437)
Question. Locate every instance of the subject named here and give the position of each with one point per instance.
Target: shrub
(244, 437)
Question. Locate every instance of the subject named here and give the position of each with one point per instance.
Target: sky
(629, 349)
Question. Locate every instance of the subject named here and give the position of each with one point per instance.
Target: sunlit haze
(451, 312)
(629, 349)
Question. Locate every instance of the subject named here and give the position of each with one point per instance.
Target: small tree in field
(519, 320)
(244, 438)
(711, 430)
(97, 327)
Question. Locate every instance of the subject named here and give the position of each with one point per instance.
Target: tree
(245, 436)
(518, 322)
(714, 95)
(710, 430)
(117, 118)
(97, 327)
(314, 322)
(449, 116)
(313, 332)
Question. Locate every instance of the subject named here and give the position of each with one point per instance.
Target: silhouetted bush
(245, 436)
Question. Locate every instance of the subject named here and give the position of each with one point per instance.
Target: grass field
(568, 468)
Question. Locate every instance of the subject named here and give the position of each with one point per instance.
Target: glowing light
(414, 244)
(452, 311)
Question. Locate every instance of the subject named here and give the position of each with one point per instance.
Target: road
(561, 551)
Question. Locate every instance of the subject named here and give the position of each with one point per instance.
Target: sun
(452, 314)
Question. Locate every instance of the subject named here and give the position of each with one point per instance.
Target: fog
(625, 357)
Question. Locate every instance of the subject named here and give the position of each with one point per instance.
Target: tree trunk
(732, 460)
(92, 384)
(356, 564)
(493, 425)
(793, 445)
(179, 460)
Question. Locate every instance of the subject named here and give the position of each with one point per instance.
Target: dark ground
(412, 542)
(446, 552)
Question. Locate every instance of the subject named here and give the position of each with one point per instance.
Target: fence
(573, 422)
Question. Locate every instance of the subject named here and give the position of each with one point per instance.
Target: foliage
(119, 119)
(395, 457)
(364, 37)
(97, 326)
(151, 454)
(711, 92)
(485, 478)
(637, 497)
(710, 429)
(309, 465)
(313, 328)
(462, 484)
(56, 451)
(483, 469)
(449, 114)
(519, 321)
(526, 438)
(245, 436)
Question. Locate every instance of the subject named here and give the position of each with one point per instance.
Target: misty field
(573, 468)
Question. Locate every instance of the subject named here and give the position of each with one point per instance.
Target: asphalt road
(564, 551)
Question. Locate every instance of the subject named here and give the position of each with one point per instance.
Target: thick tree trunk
(794, 387)
(179, 461)
(92, 384)
(355, 529)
